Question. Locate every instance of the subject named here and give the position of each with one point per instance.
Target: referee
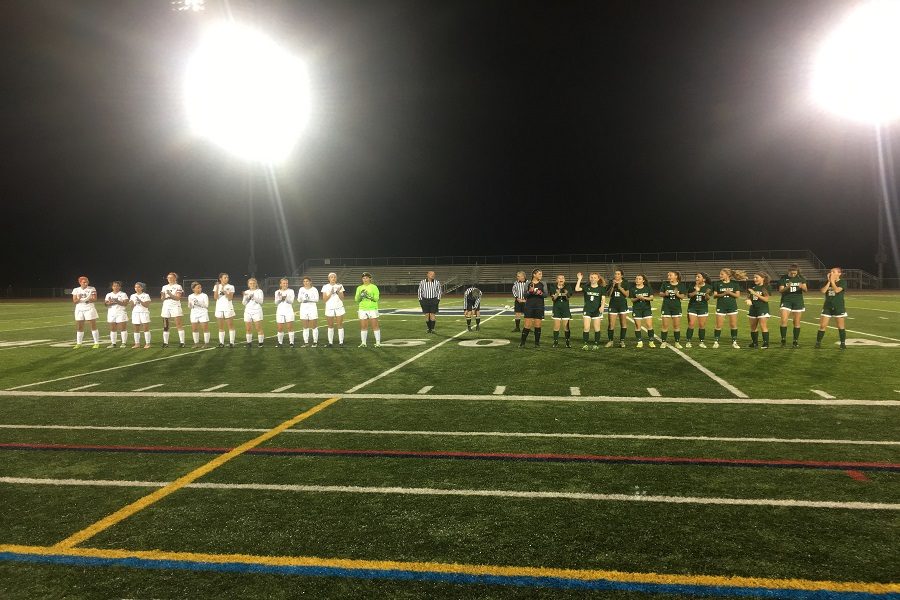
(518, 291)
(429, 298)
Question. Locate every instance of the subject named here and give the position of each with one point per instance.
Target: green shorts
(618, 306)
(758, 312)
(562, 312)
(593, 314)
(726, 308)
(671, 309)
(834, 310)
(793, 304)
(698, 311)
(642, 312)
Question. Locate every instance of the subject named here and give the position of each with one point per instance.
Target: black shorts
(429, 305)
(473, 305)
(519, 307)
(534, 313)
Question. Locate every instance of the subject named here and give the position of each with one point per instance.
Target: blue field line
(439, 577)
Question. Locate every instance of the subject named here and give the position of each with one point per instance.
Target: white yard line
(417, 491)
(499, 434)
(217, 387)
(654, 392)
(443, 397)
(822, 394)
(414, 358)
(283, 388)
(775, 319)
(857, 306)
(149, 387)
(499, 390)
(575, 391)
(83, 387)
(425, 389)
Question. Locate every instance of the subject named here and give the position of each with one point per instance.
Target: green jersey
(593, 298)
(834, 301)
(758, 307)
(670, 291)
(792, 286)
(560, 297)
(699, 302)
(367, 296)
(726, 304)
(639, 295)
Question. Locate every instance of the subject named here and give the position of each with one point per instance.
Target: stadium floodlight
(247, 93)
(857, 69)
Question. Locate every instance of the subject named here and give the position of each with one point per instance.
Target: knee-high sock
(249, 337)
(677, 336)
(796, 333)
(95, 333)
(819, 335)
(610, 334)
(596, 337)
(291, 336)
(623, 331)
(525, 332)
(568, 333)
(638, 333)
(280, 337)
(260, 337)
(331, 335)
(754, 336)
(306, 335)
(650, 334)
(137, 337)
(112, 337)
(586, 336)
(165, 336)
(79, 337)
(689, 334)
(221, 337)
(842, 335)
(765, 338)
(147, 337)
(124, 335)
(701, 334)
(783, 333)
(734, 335)
(196, 336)
(537, 335)
(377, 336)
(181, 336)
(231, 335)
(315, 333)
(555, 335)
(341, 335)
(206, 337)
(717, 333)
(664, 335)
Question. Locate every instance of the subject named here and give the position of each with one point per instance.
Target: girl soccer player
(472, 307)
(253, 312)
(641, 294)
(618, 309)
(593, 308)
(792, 286)
(171, 309)
(559, 293)
(198, 302)
(83, 297)
(309, 312)
(534, 308)
(333, 295)
(672, 292)
(833, 307)
(759, 309)
(116, 315)
(367, 296)
(698, 308)
(140, 315)
(224, 293)
(727, 291)
(284, 311)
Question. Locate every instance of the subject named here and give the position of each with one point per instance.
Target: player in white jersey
(198, 302)
(116, 315)
(309, 312)
(140, 314)
(171, 295)
(223, 292)
(284, 311)
(83, 297)
(333, 295)
(253, 312)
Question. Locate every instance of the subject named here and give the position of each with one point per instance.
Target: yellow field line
(465, 569)
(142, 503)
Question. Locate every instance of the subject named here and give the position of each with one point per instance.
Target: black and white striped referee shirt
(472, 300)
(429, 290)
(519, 288)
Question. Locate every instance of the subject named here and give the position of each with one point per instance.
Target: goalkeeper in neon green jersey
(367, 296)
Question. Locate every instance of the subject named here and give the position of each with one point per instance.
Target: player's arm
(340, 292)
(376, 294)
(736, 293)
(763, 295)
(680, 294)
(782, 285)
(75, 297)
(358, 295)
(804, 286)
(827, 284)
(440, 290)
(578, 287)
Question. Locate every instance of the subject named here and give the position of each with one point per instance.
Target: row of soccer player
(367, 295)
(613, 298)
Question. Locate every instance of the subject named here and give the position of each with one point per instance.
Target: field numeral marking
(283, 388)
(654, 392)
(425, 389)
(823, 394)
(149, 387)
(575, 391)
(215, 387)
(499, 390)
(83, 387)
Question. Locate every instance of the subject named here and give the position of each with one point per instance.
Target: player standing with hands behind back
(171, 309)
(367, 296)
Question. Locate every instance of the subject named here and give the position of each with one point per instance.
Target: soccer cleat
(136, 346)
(341, 346)
(76, 346)
(621, 343)
(363, 345)
(468, 329)
(305, 345)
(595, 347)
(818, 345)
(292, 346)
(664, 345)
(377, 345)
(678, 345)
(783, 342)
(795, 345)
(231, 345)
(586, 347)
(249, 345)
(478, 328)
(95, 346)
(221, 346)
(537, 344)
(688, 345)
(555, 344)
(764, 347)
(715, 344)
(181, 345)
(609, 344)
(651, 344)
(735, 345)
(111, 346)
(640, 344)
(259, 345)
(326, 345)
(568, 345)
(165, 345)
(843, 346)
(701, 345)
(146, 346)
(753, 345)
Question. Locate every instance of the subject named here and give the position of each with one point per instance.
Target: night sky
(440, 127)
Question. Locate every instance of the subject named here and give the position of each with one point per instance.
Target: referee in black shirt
(429, 298)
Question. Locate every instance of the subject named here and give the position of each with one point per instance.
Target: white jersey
(284, 298)
(140, 308)
(253, 300)
(83, 295)
(199, 303)
(116, 309)
(334, 300)
(307, 296)
(170, 293)
(220, 292)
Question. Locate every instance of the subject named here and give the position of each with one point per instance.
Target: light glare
(857, 69)
(246, 93)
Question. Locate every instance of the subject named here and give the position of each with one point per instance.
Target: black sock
(586, 336)
(819, 336)
(596, 337)
(623, 331)
(433, 324)
(677, 336)
(610, 334)
(525, 333)
(765, 338)
(842, 334)
(701, 333)
(754, 336)
(717, 333)
(664, 335)
(796, 333)
(690, 334)
(734, 335)
(637, 334)
(430, 324)
(650, 334)
(555, 335)
(517, 323)
(783, 333)
(468, 322)
(478, 320)
(537, 336)
(568, 334)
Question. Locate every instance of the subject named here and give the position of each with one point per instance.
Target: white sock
(331, 335)
(205, 337)
(95, 333)
(112, 337)
(306, 335)
(341, 335)
(280, 336)
(315, 335)
(377, 336)
(249, 337)
(137, 337)
(363, 333)
(231, 334)
(79, 337)
(124, 336)
(196, 336)
(221, 337)
(291, 336)
(181, 335)
(165, 337)
(260, 337)
(147, 337)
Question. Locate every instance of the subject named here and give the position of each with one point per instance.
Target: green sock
(717, 333)
(765, 338)
(555, 336)
(610, 334)
(586, 336)
(702, 334)
(842, 334)
(783, 334)
(819, 335)
(664, 335)
(754, 336)
(623, 331)
(650, 334)
(796, 333)
(690, 334)
(677, 336)
(734, 335)
(596, 337)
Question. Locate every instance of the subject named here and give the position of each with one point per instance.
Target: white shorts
(199, 316)
(367, 314)
(117, 317)
(171, 313)
(284, 314)
(140, 318)
(335, 312)
(251, 316)
(225, 314)
(89, 314)
(309, 312)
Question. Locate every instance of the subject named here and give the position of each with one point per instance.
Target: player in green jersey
(559, 294)
(618, 308)
(593, 308)
(672, 292)
(834, 307)
(792, 287)
(758, 303)
(698, 308)
(727, 291)
(641, 294)
(367, 296)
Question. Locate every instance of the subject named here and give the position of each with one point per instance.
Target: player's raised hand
(580, 276)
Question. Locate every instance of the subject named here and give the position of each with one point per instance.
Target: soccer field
(454, 465)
